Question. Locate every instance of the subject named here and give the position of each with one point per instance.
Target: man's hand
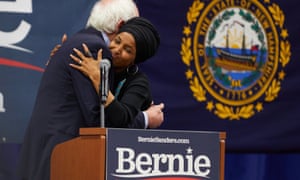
(155, 115)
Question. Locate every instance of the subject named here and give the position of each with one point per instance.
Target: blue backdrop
(255, 103)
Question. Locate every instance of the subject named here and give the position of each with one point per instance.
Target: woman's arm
(90, 67)
(135, 96)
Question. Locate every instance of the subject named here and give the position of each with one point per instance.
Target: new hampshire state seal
(235, 52)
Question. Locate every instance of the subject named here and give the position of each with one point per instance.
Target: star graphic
(187, 30)
(189, 150)
(281, 75)
(259, 106)
(189, 74)
(210, 106)
(284, 34)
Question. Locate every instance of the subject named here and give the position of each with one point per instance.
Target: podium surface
(109, 153)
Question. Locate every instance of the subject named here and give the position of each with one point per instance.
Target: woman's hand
(88, 65)
(56, 48)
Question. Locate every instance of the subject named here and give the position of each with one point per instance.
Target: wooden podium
(84, 157)
(81, 158)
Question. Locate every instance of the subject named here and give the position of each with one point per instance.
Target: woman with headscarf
(136, 42)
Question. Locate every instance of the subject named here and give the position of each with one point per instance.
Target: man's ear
(120, 24)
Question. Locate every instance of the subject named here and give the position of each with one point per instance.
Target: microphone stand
(102, 115)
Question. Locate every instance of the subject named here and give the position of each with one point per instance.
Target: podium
(104, 153)
(80, 158)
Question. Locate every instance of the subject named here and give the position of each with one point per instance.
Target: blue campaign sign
(139, 154)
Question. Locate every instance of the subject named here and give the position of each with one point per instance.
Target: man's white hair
(106, 14)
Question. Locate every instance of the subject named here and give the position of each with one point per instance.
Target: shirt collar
(105, 37)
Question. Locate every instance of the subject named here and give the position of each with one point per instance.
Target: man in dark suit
(66, 99)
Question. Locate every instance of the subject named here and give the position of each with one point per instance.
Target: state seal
(235, 52)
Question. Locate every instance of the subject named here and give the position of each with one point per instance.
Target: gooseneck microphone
(104, 87)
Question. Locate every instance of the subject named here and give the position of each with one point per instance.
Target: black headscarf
(146, 37)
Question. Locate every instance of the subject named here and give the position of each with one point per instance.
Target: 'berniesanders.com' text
(163, 140)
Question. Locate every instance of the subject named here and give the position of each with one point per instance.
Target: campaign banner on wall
(153, 154)
(222, 65)
(29, 29)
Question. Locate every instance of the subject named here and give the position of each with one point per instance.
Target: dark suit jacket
(66, 101)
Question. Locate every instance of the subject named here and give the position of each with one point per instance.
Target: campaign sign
(156, 154)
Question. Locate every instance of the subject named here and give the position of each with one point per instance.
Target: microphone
(104, 85)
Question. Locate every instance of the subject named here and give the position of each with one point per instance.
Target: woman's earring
(133, 69)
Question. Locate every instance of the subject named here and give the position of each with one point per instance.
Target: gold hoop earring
(133, 69)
